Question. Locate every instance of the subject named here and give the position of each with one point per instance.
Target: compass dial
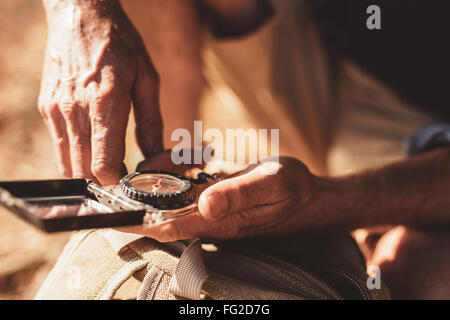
(160, 189)
(157, 183)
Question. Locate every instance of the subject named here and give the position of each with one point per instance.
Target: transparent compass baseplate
(113, 198)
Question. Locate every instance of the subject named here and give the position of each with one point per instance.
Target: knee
(415, 263)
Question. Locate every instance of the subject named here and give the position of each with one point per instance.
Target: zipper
(362, 289)
(315, 280)
(320, 289)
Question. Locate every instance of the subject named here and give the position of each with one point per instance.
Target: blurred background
(26, 255)
(276, 77)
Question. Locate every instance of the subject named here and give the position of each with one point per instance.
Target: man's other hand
(96, 65)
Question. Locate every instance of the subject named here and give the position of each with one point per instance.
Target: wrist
(346, 203)
(53, 6)
(81, 12)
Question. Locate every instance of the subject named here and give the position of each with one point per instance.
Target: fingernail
(214, 205)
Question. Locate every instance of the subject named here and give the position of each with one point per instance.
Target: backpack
(108, 264)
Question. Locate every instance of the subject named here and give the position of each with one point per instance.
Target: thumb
(147, 115)
(231, 195)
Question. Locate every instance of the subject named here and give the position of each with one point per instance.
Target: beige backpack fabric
(107, 264)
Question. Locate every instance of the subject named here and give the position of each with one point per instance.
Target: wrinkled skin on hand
(248, 204)
(95, 66)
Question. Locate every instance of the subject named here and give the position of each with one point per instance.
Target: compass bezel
(160, 200)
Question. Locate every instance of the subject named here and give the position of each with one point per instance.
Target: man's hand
(412, 192)
(249, 204)
(95, 66)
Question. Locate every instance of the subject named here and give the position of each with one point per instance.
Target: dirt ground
(26, 254)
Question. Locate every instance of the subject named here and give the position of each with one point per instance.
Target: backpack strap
(186, 281)
(190, 273)
(125, 273)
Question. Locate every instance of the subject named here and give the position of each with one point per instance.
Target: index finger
(108, 123)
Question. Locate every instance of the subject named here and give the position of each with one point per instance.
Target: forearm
(411, 192)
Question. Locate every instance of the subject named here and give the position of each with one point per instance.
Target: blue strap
(430, 137)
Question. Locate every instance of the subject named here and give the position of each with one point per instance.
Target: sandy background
(26, 254)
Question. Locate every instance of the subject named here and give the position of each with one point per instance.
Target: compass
(161, 189)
